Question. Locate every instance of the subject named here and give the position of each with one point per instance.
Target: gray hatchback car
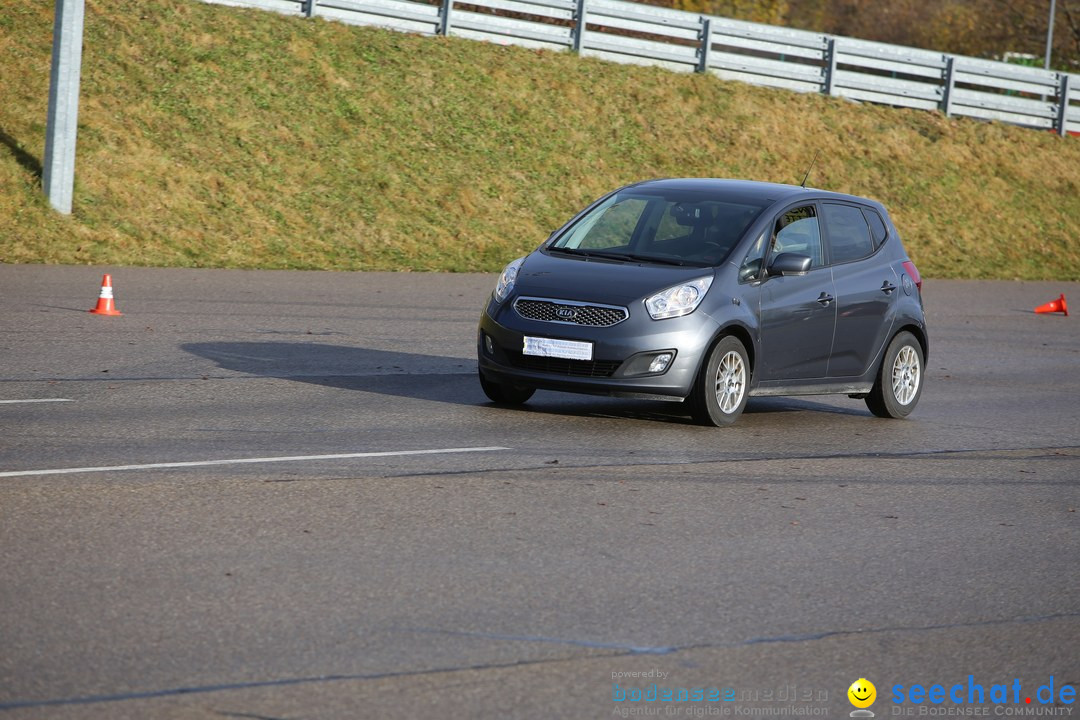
(712, 291)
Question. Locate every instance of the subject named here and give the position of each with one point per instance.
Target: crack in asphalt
(618, 650)
(249, 716)
(624, 647)
(245, 376)
(912, 455)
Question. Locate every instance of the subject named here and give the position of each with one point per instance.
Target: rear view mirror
(789, 264)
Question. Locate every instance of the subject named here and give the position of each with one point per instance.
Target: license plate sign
(566, 349)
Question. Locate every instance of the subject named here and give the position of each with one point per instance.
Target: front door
(797, 312)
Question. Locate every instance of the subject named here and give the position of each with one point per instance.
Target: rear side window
(847, 232)
(877, 226)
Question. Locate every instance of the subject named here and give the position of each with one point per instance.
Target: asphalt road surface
(393, 545)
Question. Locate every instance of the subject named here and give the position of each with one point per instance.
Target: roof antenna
(810, 168)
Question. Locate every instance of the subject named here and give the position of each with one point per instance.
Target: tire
(505, 394)
(899, 382)
(720, 392)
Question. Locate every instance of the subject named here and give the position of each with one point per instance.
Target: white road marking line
(246, 461)
(12, 402)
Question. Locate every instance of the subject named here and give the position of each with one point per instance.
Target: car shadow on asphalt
(425, 377)
(446, 379)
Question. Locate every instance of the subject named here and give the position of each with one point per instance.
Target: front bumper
(621, 353)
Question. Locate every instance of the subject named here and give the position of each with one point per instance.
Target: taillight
(913, 273)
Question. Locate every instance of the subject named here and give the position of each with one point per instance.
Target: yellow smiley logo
(862, 693)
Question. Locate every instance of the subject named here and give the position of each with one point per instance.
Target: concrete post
(58, 171)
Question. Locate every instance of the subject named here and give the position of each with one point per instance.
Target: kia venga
(712, 291)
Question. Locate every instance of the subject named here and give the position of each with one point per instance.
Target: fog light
(488, 345)
(660, 363)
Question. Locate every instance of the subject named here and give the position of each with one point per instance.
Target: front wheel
(505, 394)
(899, 382)
(720, 392)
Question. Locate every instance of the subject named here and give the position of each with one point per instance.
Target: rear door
(866, 286)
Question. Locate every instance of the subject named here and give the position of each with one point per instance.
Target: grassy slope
(211, 136)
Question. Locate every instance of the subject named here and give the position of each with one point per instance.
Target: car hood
(597, 280)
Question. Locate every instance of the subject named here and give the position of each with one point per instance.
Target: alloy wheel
(730, 381)
(905, 375)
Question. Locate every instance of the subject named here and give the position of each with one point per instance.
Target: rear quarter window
(877, 226)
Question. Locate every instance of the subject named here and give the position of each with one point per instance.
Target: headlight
(506, 280)
(679, 300)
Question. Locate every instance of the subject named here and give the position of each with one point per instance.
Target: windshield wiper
(625, 257)
(592, 253)
(655, 259)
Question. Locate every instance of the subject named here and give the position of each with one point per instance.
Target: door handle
(824, 298)
(887, 287)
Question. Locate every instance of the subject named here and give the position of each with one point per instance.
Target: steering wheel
(712, 248)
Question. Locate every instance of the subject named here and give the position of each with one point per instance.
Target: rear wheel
(899, 382)
(505, 394)
(720, 392)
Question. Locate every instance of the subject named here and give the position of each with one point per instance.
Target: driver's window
(796, 231)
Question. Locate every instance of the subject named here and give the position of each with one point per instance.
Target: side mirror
(750, 271)
(789, 264)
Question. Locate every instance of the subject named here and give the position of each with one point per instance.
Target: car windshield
(680, 228)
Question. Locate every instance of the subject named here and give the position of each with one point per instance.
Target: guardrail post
(830, 67)
(706, 45)
(444, 17)
(1063, 105)
(309, 7)
(580, 13)
(950, 82)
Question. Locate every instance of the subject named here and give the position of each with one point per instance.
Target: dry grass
(211, 136)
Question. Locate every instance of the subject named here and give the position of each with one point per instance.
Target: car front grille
(571, 313)
(559, 366)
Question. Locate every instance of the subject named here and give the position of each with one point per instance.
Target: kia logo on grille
(565, 313)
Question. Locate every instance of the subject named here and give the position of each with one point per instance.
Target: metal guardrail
(734, 50)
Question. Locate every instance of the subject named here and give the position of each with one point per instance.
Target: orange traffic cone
(1058, 305)
(105, 304)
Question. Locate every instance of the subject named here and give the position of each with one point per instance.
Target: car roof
(765, 191)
